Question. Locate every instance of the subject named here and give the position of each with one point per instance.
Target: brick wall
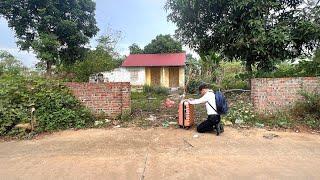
(110, 98)
(272, 94)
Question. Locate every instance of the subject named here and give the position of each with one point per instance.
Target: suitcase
(186, 115)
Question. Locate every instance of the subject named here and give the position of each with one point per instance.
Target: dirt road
(159, 153)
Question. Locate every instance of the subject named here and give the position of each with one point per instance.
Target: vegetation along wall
(273, 94)
(109, 98)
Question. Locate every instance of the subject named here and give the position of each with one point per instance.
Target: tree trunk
(49, 68)
(249, 67)
(249, 71)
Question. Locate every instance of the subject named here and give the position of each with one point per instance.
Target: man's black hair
(203, 86)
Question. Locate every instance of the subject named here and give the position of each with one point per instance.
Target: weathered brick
(111, 98)
(274, 94)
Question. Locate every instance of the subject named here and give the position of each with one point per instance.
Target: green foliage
(135, 49)
(46, 47)
(155, 90)
(192, 69)
(242, 111)
(55, 107)
(224, 76)
(193, 86)
(103, 58)
(210, 67)
(308, 110)
(9, 64)
(140, 101)
(304, 112)
(305, 68)
(280, 119)
(125, 116)
(263, 32)
(229, 72)
(109, 41)
(53, 29)
(95, 61)
(163, 44)
(310, 68)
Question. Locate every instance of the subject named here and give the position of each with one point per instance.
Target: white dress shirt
(209, 96)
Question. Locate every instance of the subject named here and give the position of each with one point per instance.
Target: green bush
(155, 90)
(226, 77)
(279, 119)
(305, 68)
(229, 74)
(242, 111)
(193, 86)
(94, 62)
(308, 110)
(55, 107)
(284, 69)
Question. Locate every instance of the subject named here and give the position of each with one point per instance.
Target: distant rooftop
(156, 60)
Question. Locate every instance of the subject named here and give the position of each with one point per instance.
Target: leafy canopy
(263, 32)
(135, 49)
(161, 44)
(57, 31)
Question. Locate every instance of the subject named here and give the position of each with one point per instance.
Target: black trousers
(209, 124)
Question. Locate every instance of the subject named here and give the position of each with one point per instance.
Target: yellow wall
(181, 77)
(164, 76)
(148, 76)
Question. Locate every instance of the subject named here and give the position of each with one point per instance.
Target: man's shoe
(221, 128)
(218, 129)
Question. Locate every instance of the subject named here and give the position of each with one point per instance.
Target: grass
(146, 102)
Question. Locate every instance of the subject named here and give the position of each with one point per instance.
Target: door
(155, 76)
(174, 77)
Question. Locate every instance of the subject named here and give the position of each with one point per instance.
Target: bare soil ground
(159, 153)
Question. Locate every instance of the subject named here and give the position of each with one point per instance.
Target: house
(116, 75)
(165, 70)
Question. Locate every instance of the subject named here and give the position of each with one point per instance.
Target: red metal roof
(147, 60)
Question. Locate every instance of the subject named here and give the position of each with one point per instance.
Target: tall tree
(109, 41)
(135, 49)
(102, 58)
(9, 64)
(262, 32)
(57, 30)
(163, 44)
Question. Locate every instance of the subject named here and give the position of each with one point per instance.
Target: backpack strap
(211, 105)
(213, 108)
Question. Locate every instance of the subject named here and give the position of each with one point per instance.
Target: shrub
(308, 110)
(94, 62)
(230, 72)
(155, 89)
(55, 107)
(280, 119)
(193, 86)
(305, 68)
(242, 111)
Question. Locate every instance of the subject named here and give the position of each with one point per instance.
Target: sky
(139, 21)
